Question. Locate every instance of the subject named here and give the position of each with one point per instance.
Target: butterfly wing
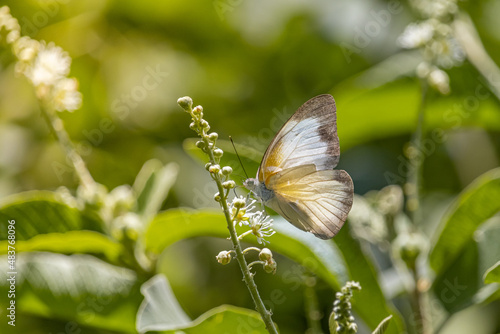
(308, 137)
(314, 201)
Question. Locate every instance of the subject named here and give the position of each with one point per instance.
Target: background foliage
(250, 64)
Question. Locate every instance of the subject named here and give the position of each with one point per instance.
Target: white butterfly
(296, 177)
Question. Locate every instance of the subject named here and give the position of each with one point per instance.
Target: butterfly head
(251, 184)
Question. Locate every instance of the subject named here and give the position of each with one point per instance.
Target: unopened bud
(226, 170)
(265, 254)
(270, 266)
(229, 184)
(217, 197)
(213, 136)
(218, 152)
(224, 257)
(200, 144)
(185, 103)
(214, 169)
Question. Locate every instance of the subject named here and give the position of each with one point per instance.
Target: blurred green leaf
(69, 243)
(152, 186)
(382, 327)
(370, 303)
(492, 275)
(462, 283)
(472, 208)
(39, 212)
(76, 288)
(320, 257)
(178, 224)
(226, 319)
(160, 310)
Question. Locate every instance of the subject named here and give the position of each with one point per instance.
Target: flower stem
(416, 157)
(240, 257)
(57, 128)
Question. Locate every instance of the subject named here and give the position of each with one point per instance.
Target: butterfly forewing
(308, 137)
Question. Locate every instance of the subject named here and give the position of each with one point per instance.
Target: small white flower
(10, 24)
(416, 35)
(261, 226)
(66, 95)
(440, 80)
(51, 64)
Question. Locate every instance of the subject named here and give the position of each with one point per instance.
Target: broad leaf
(160, 310)
(322, 258)
(473, 207)
(152, 185)
(382, 327)
(38, 212)
(492, 275)
(69, 243)
(77, 288)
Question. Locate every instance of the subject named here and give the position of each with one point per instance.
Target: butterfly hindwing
(314, 201)
(308, 137)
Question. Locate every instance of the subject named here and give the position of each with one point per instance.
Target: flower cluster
(341, 319)
(241, 210)
(46, 66)
(435, 37)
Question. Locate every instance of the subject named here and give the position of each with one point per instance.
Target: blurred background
(251, 64)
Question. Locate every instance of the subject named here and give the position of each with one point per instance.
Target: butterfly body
(296, 176)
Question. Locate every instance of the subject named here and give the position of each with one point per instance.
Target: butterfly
(296, 176)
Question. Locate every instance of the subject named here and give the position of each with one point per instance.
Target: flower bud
(185, 103)
(218, 153)
(239, 203)
(229, 184)
(214, 169)
(200, 144)
(217, 197)
(213, 136)
(192, 126)
(204, 124)
(270, 266)
(197, 111)
(224, 257)
(207, 165)
(265, 254)
(226, 170)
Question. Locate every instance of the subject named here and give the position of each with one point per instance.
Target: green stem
(313, 314)
(418, 305)
(57, 128)
(240, 257)
(469, 39)
(416, 161)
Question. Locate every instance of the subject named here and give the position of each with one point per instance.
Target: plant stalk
(57, 128)
(240, 257)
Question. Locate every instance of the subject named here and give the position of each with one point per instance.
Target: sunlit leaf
(492, 275)
(472, 208)
(160, 310)
(38, 212)
(69, 243)
(77, 288)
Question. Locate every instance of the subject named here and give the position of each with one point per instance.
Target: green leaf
(152, 186)
(160, 310)
(334, 265)
(77, 288)
(370, 303)
(38, 212)
(461, 285)
(492, 275)
(322, 258)
(69, 243)
(226, 319)
(382, 327)
(473, 207)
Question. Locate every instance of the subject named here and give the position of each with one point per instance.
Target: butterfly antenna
(241, 163)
